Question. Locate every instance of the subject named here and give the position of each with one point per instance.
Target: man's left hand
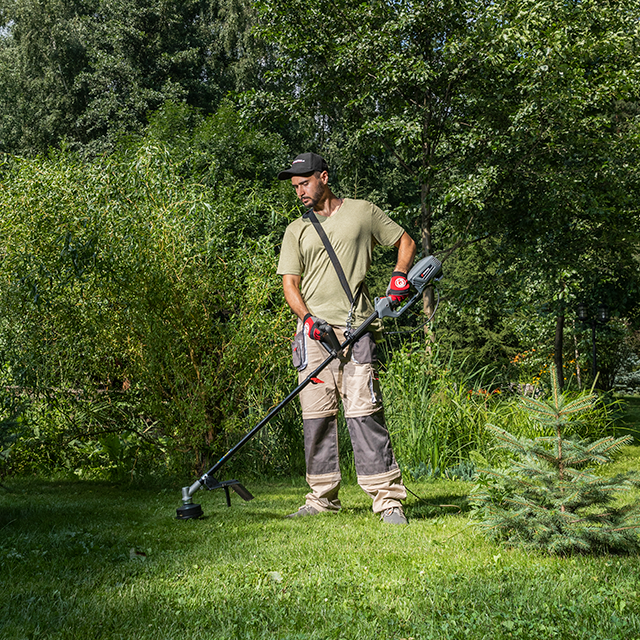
(398, 288)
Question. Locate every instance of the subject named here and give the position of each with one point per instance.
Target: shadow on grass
(424, 508)
(99, 507)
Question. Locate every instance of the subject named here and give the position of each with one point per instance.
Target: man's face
(310, 189)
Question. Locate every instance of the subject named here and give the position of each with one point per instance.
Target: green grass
(70, 567)
(630, 421)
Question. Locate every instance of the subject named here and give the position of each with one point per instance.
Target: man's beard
(315, 197)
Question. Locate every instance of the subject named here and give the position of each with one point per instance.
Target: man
(315, 294)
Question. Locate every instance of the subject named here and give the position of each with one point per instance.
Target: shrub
(141, 314)
(550, 497)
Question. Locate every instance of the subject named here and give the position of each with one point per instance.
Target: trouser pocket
(364, 351)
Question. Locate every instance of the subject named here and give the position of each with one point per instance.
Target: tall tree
(88, 71)
(511, 120)
(394, 78)
(566, 207)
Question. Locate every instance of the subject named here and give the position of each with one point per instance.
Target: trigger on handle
(330, 339)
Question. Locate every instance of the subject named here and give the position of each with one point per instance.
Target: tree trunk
(577, 357)
(428, 298)
(557, 350)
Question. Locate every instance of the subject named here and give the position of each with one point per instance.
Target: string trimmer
(420, 276)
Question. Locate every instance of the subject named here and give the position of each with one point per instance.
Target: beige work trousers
(352, 379)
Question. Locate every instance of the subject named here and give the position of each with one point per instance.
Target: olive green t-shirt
(353, 230)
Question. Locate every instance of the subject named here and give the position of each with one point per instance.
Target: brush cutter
(420, 276)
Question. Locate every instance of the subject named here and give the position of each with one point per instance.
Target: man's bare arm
(291, 286)
(406, 253)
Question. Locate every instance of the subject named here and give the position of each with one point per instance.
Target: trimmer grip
(423, 272)
(330, 340)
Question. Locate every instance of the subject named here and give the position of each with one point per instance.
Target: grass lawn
(630, 422)
(71, 566)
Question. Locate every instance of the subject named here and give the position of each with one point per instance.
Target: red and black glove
(398, 288)
(314, 327)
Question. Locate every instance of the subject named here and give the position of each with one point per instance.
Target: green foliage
(478, 323)
(510, 125)
(438, 407)
(629, 417)
(564, 211)
(137, 300)
(87, 72)
(219, 150)
(507, 128)
(404, 76)
(550, 498)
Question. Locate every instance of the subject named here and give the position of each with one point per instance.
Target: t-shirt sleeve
(383, 228)
(290, 261)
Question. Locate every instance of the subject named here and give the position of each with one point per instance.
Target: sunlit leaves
(131, 279)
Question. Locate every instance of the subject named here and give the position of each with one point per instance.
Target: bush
(142, 317)
(550, 497)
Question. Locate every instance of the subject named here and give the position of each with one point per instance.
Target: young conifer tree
(550, 497)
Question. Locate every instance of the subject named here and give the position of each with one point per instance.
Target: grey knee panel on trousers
(321, 445)
(372, 450)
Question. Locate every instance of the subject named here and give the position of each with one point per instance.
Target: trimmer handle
(329, 340)
(422, 273)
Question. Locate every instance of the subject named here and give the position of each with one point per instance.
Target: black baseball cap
(304, 163)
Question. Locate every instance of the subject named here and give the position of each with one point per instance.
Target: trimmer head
(189, 510)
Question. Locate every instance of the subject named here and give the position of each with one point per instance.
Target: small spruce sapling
(550, 498)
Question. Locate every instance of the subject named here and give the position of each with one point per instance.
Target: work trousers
(351, 378)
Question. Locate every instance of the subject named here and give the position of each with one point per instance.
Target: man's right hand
(314, 327)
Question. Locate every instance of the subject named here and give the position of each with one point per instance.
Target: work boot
(304, 510)
(394, 515)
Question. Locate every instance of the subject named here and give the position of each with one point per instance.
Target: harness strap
(336, 264)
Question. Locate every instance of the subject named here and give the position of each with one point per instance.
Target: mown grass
(71, 567)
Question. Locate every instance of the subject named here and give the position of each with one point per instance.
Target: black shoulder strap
(332, 254)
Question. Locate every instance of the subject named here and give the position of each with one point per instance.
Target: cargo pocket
(299, 351)
(364, 351)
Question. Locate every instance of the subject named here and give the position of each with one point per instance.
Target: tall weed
(436, 411)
